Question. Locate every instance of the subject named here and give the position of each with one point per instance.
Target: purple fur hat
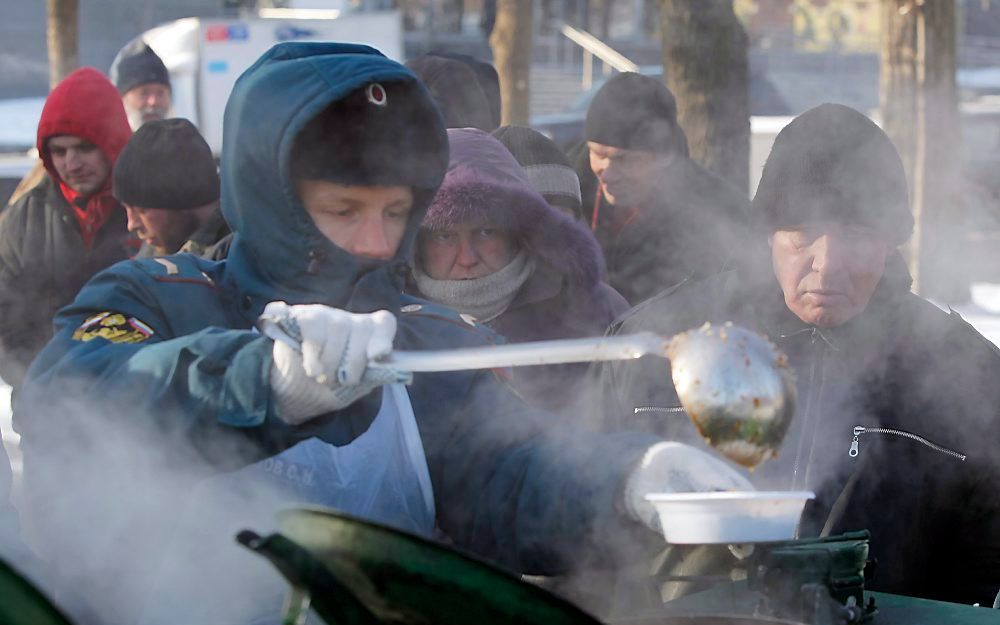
(485, 181)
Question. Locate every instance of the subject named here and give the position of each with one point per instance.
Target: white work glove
(676, 468)
(321, 354)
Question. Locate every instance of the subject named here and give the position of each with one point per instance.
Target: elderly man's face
(828, 271)
(146, 102)
(627, 178)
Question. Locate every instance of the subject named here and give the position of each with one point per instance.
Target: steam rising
(116, 507)
(130, 524)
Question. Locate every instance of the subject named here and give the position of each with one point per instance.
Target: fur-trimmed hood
(484, 180)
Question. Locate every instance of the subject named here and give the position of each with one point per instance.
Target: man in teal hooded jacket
(157, 380)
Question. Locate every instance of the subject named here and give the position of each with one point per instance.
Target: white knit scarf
(484, 298)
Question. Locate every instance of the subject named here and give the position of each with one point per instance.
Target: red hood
(86, 105)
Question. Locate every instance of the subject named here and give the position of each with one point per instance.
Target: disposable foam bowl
(729, 517)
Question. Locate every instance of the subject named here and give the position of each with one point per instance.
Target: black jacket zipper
(860, 429)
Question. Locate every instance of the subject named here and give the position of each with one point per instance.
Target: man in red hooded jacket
(69, 227)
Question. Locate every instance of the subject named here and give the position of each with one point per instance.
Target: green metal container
(352, 572)
(375, 574)
(23, 604)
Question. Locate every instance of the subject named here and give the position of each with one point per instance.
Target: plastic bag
(381, 476)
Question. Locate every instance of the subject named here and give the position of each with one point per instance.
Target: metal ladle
(733, 383)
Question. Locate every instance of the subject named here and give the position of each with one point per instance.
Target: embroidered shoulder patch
(113, 327)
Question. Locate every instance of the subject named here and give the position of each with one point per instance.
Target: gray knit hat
(547, 168)
(136, 65)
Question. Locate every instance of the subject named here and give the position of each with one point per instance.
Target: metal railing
(595, 48)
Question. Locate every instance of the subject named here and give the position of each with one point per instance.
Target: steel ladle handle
(402, 363)
(625, 347)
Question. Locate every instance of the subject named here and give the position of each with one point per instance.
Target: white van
(206, 56)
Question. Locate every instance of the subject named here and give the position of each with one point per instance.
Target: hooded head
(486, 185)
(486, 76)
(467, 90)
(833, 200)
(832, 163)
(87, 106)
(331, 112)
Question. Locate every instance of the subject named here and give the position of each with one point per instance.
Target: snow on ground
(982, 311)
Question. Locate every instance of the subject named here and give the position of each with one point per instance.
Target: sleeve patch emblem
(113, 327)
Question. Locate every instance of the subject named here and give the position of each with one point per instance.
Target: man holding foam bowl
(894, 395)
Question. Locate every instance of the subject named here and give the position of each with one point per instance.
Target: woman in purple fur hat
(491, 247)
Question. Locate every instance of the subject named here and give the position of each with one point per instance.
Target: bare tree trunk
(511, 44)
(705, 60)
(63, 38)
(920, 113)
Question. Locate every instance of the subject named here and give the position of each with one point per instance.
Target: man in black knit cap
(659, 216)
(167, 180)
(830, 288)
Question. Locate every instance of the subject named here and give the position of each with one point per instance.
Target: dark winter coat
(691, 230)
(44, 260)
(901, 364)
(43, 265)
(178, 385)
(565, 297)
(552, 306)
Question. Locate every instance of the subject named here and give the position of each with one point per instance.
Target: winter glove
(676, 468)
(321, 354)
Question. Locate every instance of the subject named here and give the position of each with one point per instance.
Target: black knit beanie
(166, 164)
(832, 163)
(457, 91)
(635, 112)
(383, 134)
(546, 166)
(136, 65)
